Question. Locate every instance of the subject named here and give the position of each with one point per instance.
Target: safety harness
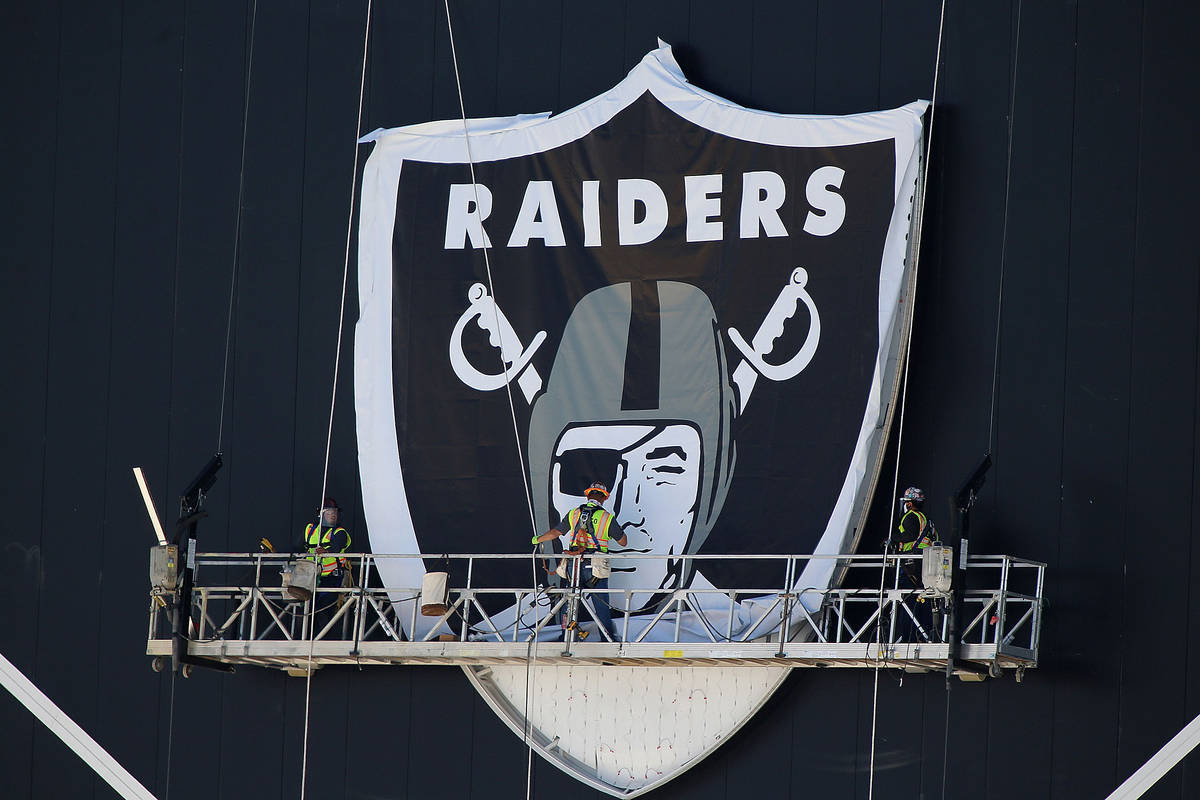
(926, 533)
(589, 527)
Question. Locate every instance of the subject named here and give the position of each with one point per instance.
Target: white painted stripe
(1160, 763)
(72, 735)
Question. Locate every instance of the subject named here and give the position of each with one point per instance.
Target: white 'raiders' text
(642, 210)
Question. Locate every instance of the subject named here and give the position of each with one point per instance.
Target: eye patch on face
(578, 468)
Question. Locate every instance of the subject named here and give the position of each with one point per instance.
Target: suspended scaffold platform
(248, 609)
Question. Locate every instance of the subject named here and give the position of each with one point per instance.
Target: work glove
(535, 540)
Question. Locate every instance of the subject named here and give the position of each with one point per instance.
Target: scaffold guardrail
(242, 614)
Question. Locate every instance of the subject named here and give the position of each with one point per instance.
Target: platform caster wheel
(1020, 674)
(186, 670)
(158, 663)
(994, 669)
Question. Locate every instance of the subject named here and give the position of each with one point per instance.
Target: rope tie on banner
(918, 225)
(337, 360)
(531, 652)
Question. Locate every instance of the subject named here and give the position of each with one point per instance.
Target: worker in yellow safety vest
(915, 531)
(320, 541)
(327, 537)
(591, 527)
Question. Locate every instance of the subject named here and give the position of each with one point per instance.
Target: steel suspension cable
(918, 226)
(237, 225)
(1012, 104)
(337, 359)
(531, 653)
(487, 265)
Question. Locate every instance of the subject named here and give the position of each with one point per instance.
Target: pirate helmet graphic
(639, 398)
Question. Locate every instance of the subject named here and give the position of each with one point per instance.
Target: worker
(916, 532)
(591, 527)
(319, 541)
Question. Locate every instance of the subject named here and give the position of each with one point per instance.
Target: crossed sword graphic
(482, 309)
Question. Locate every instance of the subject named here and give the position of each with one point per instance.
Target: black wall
(1062, 203)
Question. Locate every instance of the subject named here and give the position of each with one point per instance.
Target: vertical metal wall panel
(1166, 283)
(291, 736)
(145, 206)
(400, 75)
(495, 753)
(907, 51)
(252, 762)
(952, 345)
(1096, 510)
(260, 417)
(330, 155)
(328, 735)
(847, 47)
(28, 46)
(215, 56)
(475, 40)
(646, 23)
(592, 58)
(903, 744)
(381, 728)
(261, 409)
(214, 66)
(1029, 456)
(1166, 24)
(532, 33)
(939, 751)
(824, 759)
(77, 387)
(960, 264)
(725, 35)
(442, 710)
(784, 57)
(1027, 477)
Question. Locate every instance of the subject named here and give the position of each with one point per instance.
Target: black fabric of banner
(791, 447)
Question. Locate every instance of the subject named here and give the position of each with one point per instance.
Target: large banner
(692, 302)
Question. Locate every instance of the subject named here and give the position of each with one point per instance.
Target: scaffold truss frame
(257, 622)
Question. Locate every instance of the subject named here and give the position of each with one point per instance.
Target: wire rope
(918, 226)
(531, 652)
(487, 264)
(337, 358)
(170, 738)
(237, 225)
(1012, 103)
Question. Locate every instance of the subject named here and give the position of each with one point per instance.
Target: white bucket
(435, 596)
(300, 582)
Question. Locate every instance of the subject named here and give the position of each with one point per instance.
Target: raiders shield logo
(696, 304)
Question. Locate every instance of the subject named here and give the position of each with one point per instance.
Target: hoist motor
(937, 569)
(164, 567)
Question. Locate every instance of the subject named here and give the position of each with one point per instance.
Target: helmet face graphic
(659, 429)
